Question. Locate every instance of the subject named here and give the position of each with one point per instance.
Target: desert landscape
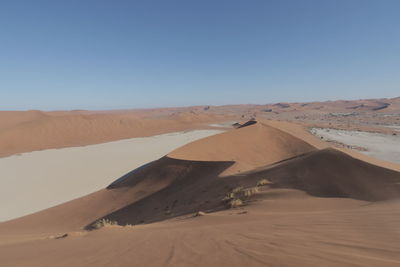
(262, 189)
(200, 133)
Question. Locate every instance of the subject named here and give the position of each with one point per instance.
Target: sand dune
(316, 206)
(331, 173)
(26, 131)
(249, 147)
(325, 173)
(339, 105)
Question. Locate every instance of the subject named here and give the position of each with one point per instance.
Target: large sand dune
(325, 173)
(249, 147)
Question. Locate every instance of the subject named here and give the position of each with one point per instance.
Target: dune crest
(249, 147)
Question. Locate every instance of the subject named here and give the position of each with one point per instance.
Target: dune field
(265, 194)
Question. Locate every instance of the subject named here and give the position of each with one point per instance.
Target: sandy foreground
(377, 145)
(34, 181)
(298, 231)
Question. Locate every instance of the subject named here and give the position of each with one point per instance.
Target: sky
(82, 54)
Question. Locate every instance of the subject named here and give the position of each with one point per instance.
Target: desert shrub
(235, 203)
(231, 195)
(104, 223)
(250, 191)
(199, 213)
(263, 182)
(237, 189)
(238, 195)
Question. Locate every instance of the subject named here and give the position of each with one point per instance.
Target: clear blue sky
(81, 54)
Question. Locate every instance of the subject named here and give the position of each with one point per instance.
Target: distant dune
(25, 131)
(341, 105)
(37, 130)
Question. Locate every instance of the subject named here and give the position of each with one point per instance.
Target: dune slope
(326, 173)
(332, 173)
(249, 147)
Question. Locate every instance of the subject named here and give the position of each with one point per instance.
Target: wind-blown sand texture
(34, 181)
(308, 205)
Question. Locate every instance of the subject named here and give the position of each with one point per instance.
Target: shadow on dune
(132, 189)
(196, 186)
(192, 185)
(331, 173)
(122, 181)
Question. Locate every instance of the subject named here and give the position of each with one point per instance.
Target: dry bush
(237, 189)
(235, 203)
(231, 195)
(199, 213)
(250, 191)
(237, 196)
(263, 182)
(104, 223)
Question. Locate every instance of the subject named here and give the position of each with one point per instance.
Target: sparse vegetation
(263, 182)
(199, 213)
(250, 191)
(237, 196)
(104, 223)
(237, 189)
(235, 203)
(231, 195)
